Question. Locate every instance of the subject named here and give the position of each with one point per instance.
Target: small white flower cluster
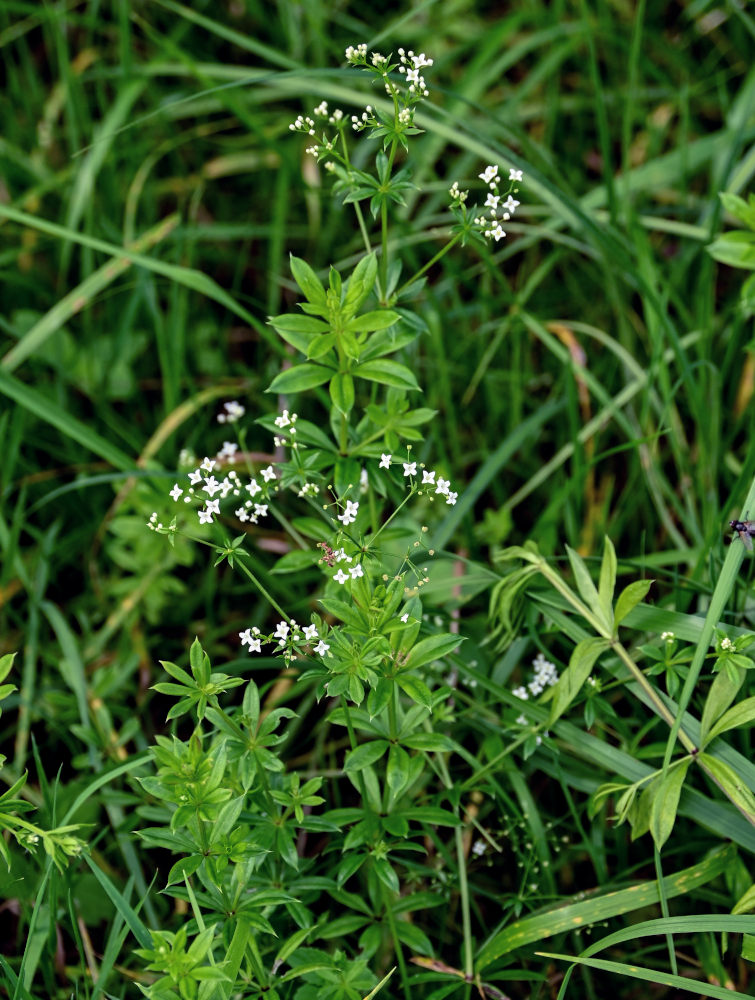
(229, 485)
(365, 120)
(545, 676)
(458, 197)
(233, 411)
(306, 125)
(288, 637)
(497, 210)
(302, 124)
(410, 67)
(667, 636)
(286, 422)
(726, 645)
(357, 54)
(355, 571)
(442, 486)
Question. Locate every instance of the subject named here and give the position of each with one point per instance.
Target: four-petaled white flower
(442, 486)
(248, 638)
(451, 498)
(176, 492)
(356, 571)
(341, 577)
(428, 477)
(350, 514)
(281, 630)
(489, 174)
(321, 648)
(310, 632)
(405, 618)
(205, 516)
(410, 468)
(195, 477)
(208, 464)
(253, 487)
(515, 175)
(268, 474)
(385, 462)
(213, 506)
(211, 486)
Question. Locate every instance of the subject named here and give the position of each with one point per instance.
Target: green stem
(426, 267)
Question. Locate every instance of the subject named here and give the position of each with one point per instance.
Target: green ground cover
(466, 781)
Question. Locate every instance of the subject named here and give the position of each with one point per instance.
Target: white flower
(228, 450)
(195, 477)
(489, 174)
(248, 639)
(350, 514)
(451, 498)
(176, 492)
(241, 514)
(356, 571)
(511, 204)
(268, 474)
(260, 510)
(310, 632)
(410, 468)
(442, 486)
(283, 420)
(515, 175)
(428, 477)
(340, 556)
(253, 487)
(341, 577)
(405, 618)
(281, 631)
(213, 506)
(321, 648)
(520, 692)
(667, 636)
(385, 461)
(205, 516)
(208, 464)
(211, 486)
(492, 201)
(479, 847)
(233, 411)
(496, 234)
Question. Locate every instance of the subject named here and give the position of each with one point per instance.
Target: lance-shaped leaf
(571, 680)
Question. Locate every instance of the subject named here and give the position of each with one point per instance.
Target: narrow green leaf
(45, 409)
(666, 802)
(730, 783)
(433, 648)
(621, 969)
(737, 716)
(321, 346)
(387, 373)
(369, 322)
(299, 378)
(602, 907)
(308, 281)
(397, 771)
(416, 689)
(607, 581)
(629, 598)
(365, 755)
(571, 680)
(585, 586)
(342, 392)
(722, 693)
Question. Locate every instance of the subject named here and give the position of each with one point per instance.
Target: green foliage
(394, 805)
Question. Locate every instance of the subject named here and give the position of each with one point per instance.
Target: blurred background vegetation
(592, 374)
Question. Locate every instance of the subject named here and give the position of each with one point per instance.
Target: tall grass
(592, 377)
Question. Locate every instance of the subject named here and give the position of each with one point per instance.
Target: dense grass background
(593, 375)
